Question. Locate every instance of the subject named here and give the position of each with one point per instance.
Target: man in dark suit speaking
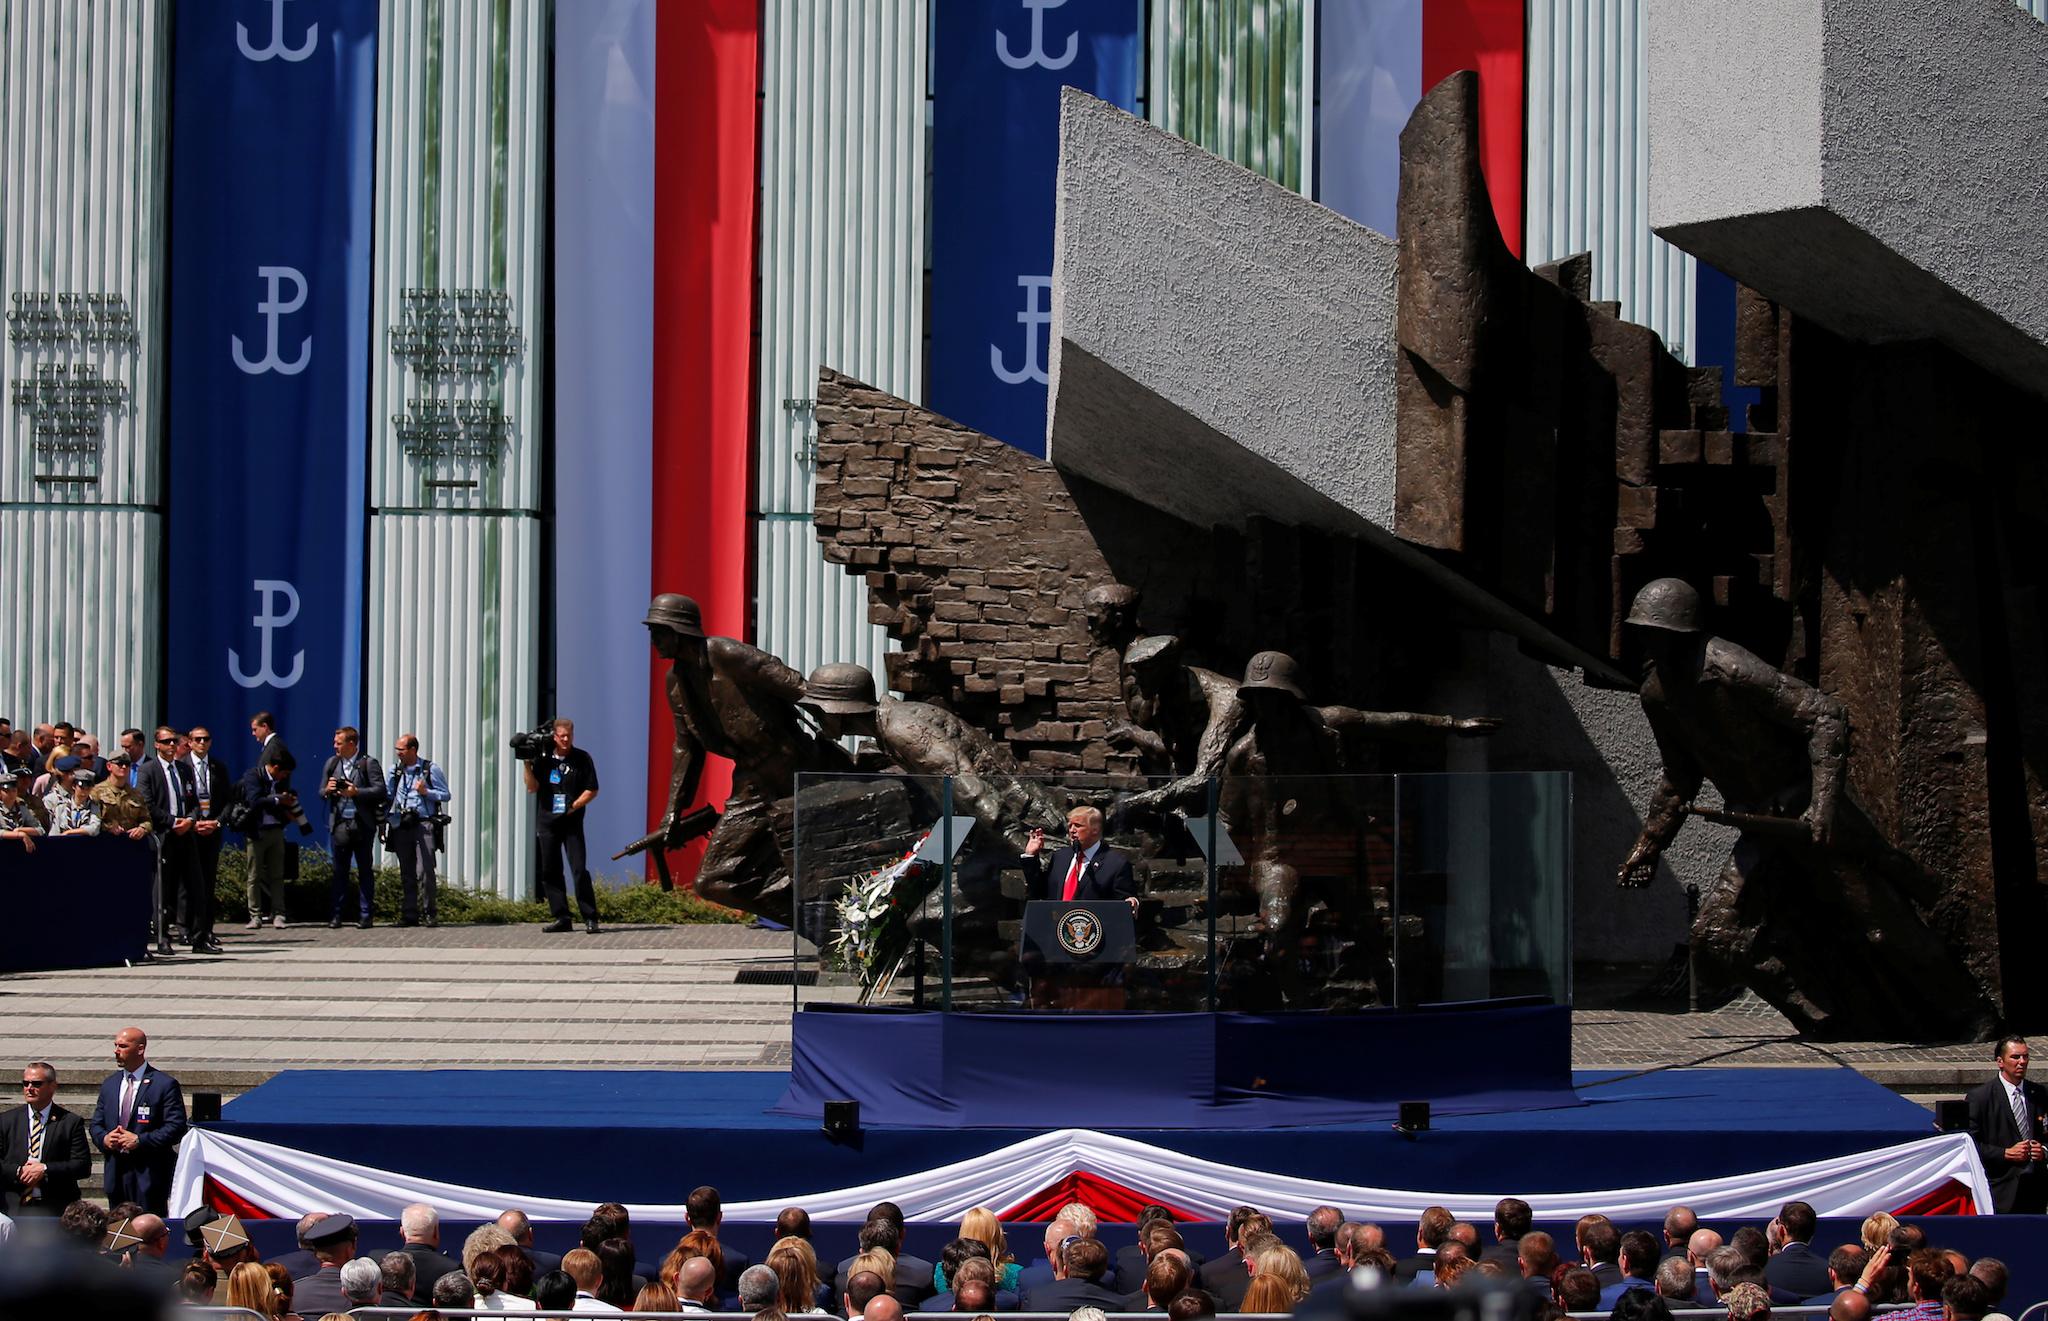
(43, 1155)
(1085, 869)
(2005, 1119)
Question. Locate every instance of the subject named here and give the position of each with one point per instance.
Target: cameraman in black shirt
(566, 779)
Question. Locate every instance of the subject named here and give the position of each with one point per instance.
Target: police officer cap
(66, 764)
(674, 611)
(840, 689)
(1273, 670)
(1667, 603)
(332, 1229)
(1144, 651)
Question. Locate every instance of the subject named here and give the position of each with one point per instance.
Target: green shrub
(306, 899)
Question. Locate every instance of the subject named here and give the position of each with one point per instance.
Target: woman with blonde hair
(981, 1225)
(879, 1260)
(1279, 1280)
(249, 1286)
(1877, 1230)
(795, 1264)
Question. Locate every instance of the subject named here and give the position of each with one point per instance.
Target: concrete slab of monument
(1223, 347)
(1874, 165)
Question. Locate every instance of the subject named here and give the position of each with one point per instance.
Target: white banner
(287, 1183)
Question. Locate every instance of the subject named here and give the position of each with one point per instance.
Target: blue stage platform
(650, 1136)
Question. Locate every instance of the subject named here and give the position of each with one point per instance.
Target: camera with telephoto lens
(535, 742)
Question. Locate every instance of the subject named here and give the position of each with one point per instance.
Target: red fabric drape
(1950, 1199)
(1113, 1203)
(1486, 36)
(706, 115)
(228, 1202)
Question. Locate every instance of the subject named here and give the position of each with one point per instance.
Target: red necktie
(1073, 880)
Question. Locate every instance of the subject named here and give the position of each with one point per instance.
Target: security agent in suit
(2011, 1150)
(164, 780)
(352, 783)
(43, 1153)
(136, 1124)
(213, 791)
(1085, 868)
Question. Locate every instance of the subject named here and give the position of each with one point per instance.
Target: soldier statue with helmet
(1814, 908)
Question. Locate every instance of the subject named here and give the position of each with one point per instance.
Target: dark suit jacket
(1004, 1302)
(912, 1285)
(1994, 1127)
(1798, 1268)
(298, 1264)
(1421, 1263)
(1066, 1295)
(1321, 1263)
(149, 778)
(222, 789)
(274, 750)
(370, 799)
(1107, 877)
(319, 1293)
(428, 1265)
(543, 1262)
(1226, 1280)
(65, 1154)
(143, 1175)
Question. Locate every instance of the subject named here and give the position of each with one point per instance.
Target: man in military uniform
(123, 810)
(1814, 908)
(739, 702)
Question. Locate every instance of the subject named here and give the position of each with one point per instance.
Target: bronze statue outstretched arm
(1349, 720)
(1226, 722)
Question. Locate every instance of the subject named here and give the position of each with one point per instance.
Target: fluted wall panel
(1236, 78)
(82, 123)
(1589, 158)
(462, 90)
(842, 273)
(454, 627)
(76, 591)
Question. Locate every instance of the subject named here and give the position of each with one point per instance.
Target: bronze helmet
(1275, 670)
(676, 612)
(1667, 603)
(840, 689)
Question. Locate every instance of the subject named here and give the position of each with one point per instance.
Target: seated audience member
(1279, 1278)
(1877, 1230)
(697, 1286)
(861, 1290)
(482, 1239)
(793, 1222)
(883, 1308)
(516, 1223)
(399, 1275)
(1845, 1265)
(1168, 1273)
(453, 1289)
(794, 1269)
(981, 1224)
(249, 1286)
(1638, 1263)
(952, 1255)
(910, 1280)
(1795, 1267)
(302, 1262)
(282, 1287)
(1722, 1264)
(1641, 1304)
(582, 1266)
(1964, 1298)
(419, 1225)
(1995, 1277)
(196, 1284)
(1431, 1230)
(1577, 1289)
(519, 1275)
(658, 1297)
(974, 1295)
(1512, 1218)
(334, 1246)
(1927, 1270)
(487, 1280)
(1697, 1249)
(1081, 1266)
(554, 1291)
(965, 1270)
(362, 1283)
(706, 1211)
(1191, 1305)
(1675, 1282)
(1679, 1226)
(1321, 1227)
(617, 1284)
(759, 1286)
(1600, 1250)
(1536, 1251)
(1748, 1301)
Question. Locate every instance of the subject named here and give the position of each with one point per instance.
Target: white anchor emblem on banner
(277, 49)
(267, 623)
(1031, 318)
(1036, 55)
(273, 309)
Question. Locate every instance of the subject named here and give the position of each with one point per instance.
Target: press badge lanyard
(561, 799)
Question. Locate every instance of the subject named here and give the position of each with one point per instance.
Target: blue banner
(999, 66)
(271, 152)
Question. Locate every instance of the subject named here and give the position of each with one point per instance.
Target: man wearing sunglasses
(213, 789)
(166, 785)
(43, 1151)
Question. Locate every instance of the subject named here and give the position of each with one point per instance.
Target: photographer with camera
(418, 793)
(566, 779)
(353, 785)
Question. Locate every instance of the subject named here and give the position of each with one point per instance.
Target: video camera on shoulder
(536, 742)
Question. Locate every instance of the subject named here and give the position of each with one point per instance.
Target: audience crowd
(1631, 1275)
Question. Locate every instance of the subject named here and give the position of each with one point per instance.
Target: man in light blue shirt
(418, 792)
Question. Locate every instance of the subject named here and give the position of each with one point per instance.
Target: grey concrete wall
(1243, 308)
(1925, 219)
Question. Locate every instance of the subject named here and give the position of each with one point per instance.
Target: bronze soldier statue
(928, 740)
(739, 702)
(1814, 908)
(1183, 722)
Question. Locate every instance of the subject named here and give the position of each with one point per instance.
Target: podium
(1073, 953)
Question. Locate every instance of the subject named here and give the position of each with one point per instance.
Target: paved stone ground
(493, 996)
